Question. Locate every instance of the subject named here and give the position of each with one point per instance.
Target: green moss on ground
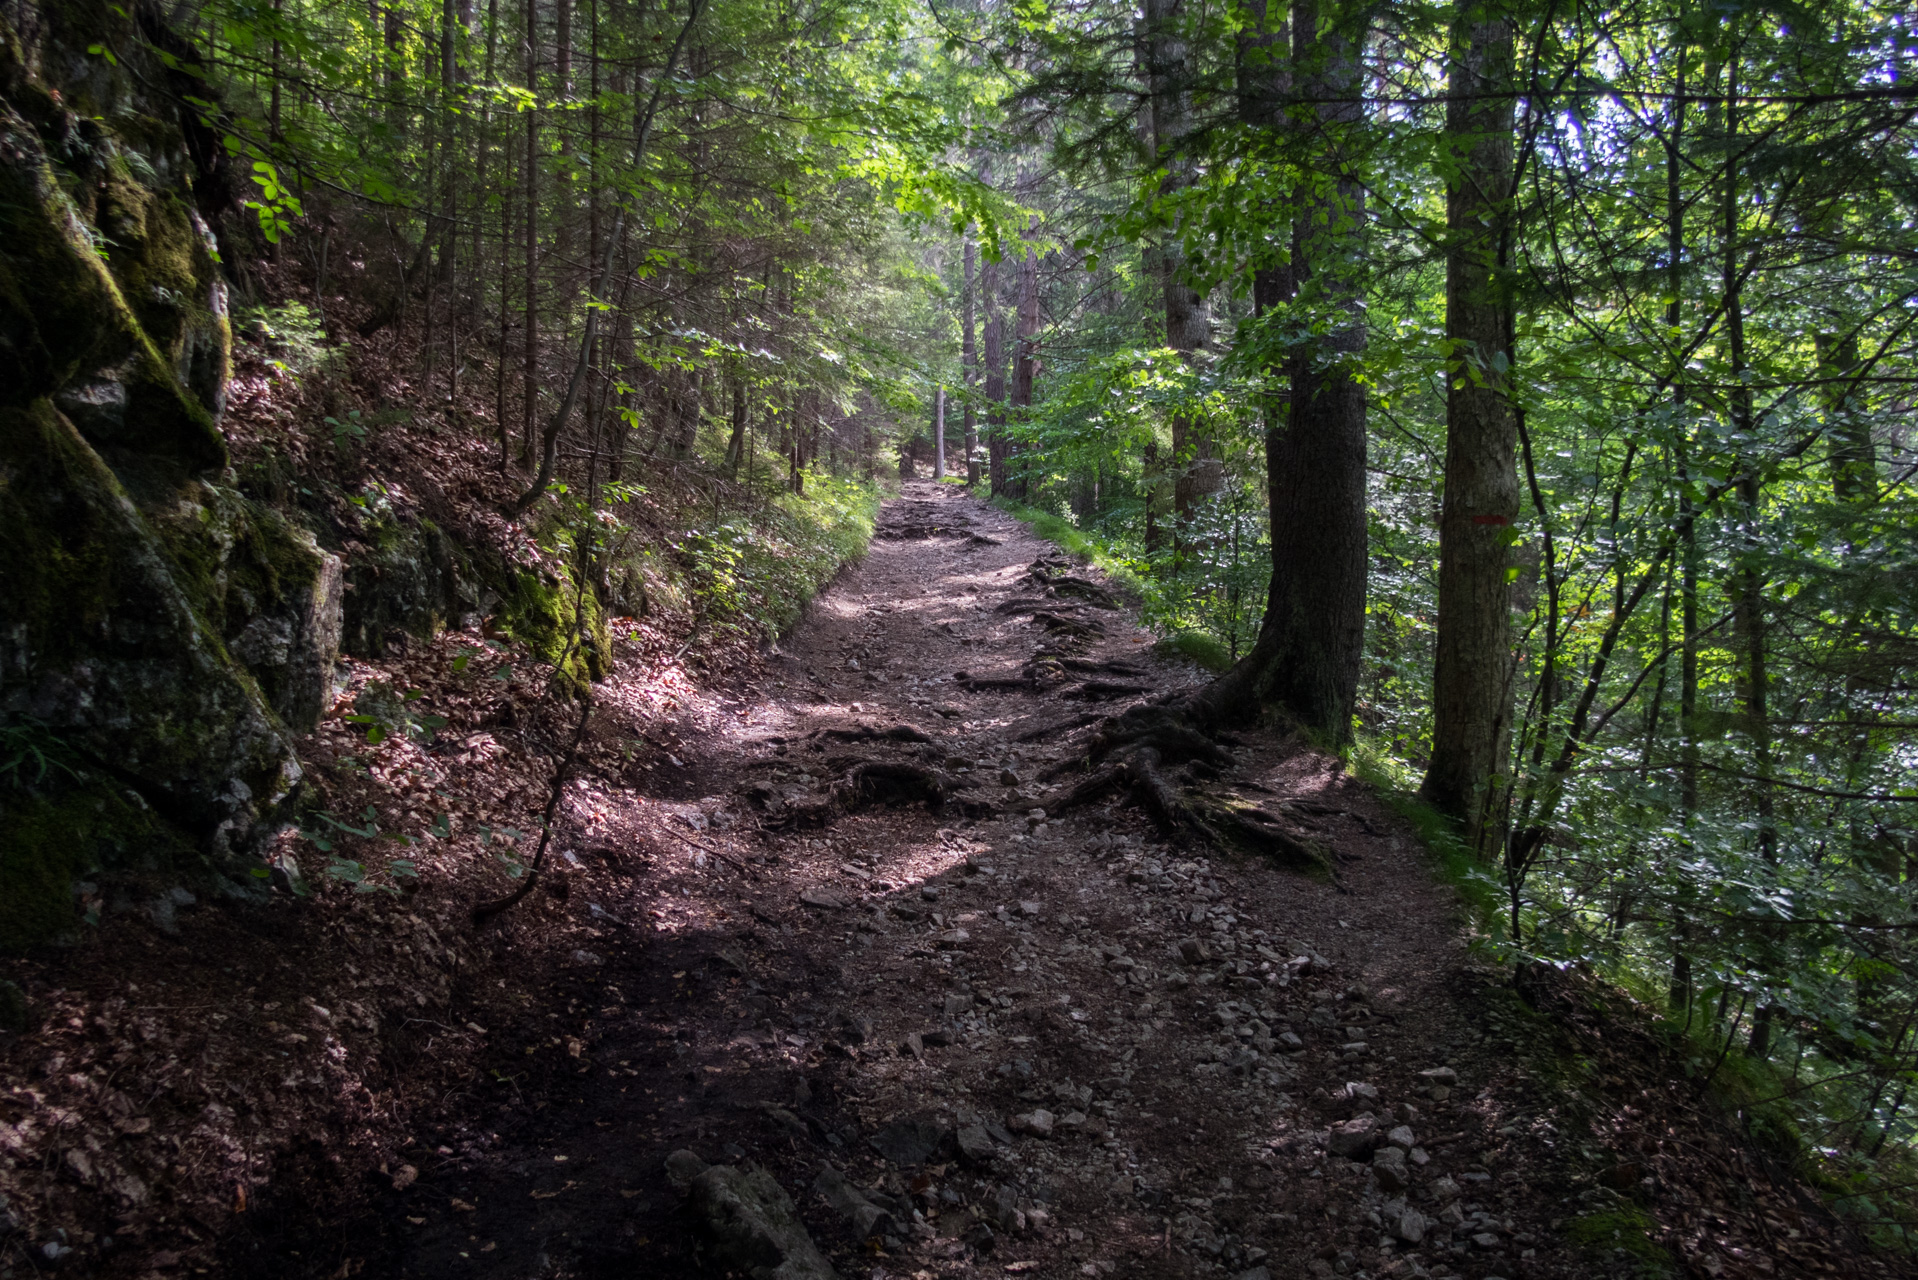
(1196, 646)
(52, 839)
(1622, 1239)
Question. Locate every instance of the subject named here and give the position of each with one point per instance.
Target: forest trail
(1045, 1048)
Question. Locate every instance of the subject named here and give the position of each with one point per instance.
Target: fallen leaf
(405, 1177)
(461, 1205)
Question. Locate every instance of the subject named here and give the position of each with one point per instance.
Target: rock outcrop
(161, 635)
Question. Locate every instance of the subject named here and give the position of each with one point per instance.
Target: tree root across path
(860, 784)
(1132, 751)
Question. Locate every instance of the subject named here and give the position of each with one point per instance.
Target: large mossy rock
(159, 633)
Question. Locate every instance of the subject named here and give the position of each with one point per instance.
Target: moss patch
(49, 841)
(1622, 1239)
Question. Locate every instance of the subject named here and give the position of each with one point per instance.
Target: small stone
(1401, 1137)
(1485, 1240)
(930, 892)
(1359, 1091)
(1406, 1224)
(957, 1005)
(1288, 1042)
(1007, 778)
(824, 897)
(1036, 1123)
(1440, 1076)
(913, 1044)
(682, 1167)
(1028, 908)
(953, 938)
(1444, 1190)
(975, 1144)
(908, 1141)
(1194, 951)
(1352, 1139)
(1388, 1167)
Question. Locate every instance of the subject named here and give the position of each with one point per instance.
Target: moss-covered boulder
(158, 632)
(101, 642)
(409, 580)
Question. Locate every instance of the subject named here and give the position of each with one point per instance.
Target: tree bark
(1169, 76)
(1305, 662)
(1471, 683)
(969, 364)
(995, 377)
(529, 352)
(1025, 360)
(939, 434)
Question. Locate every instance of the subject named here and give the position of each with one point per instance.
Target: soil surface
(1030, 1046)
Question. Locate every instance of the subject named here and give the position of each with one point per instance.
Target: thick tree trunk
(1472, 679)
(1305, 663)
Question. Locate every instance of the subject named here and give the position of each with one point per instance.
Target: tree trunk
(736, 445)
(1169, 77)
(1305, 662)
(969, 365)
(1854, 457)
(995, 377)
(529, 354)
(1025, 362)
(939, 434)
(1471, 683)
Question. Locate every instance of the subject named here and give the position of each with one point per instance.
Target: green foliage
(29, 752)
(755, 573)
(295, 339)
(1197, 646)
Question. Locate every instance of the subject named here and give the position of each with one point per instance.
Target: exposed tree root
(1059, 623)
(1131, 753)
(866, 733)
(1003, 684)
(863, 783)
(1064, 726)
(1092, 690)
(1085, 666)
(914, 532)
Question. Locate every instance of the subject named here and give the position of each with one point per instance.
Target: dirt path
(1045, 1048)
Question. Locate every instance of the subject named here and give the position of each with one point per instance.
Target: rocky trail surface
(848, 1001)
